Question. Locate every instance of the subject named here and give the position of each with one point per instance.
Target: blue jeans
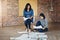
(28, 23)
(40, 30)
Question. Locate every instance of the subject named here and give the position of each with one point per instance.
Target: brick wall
(10, 11)
(57, 4)
(55, 15)
(44, 6)
(0, 15)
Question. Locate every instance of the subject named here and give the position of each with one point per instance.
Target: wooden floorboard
(7, 32)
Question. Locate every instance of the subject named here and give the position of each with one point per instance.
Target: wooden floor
(7, 32)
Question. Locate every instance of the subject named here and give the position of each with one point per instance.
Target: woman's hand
(43, 28)
(31, 17)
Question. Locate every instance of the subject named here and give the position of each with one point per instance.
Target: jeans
(28, 23)
(39, 23)
(40, 30)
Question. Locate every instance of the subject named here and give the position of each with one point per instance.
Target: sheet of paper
(25, 18)
(32, 36)
(37, 27)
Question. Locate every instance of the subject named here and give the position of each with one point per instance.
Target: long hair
(27, 6)
(41, 14)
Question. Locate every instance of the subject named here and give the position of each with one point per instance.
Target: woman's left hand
(43, 28)
(30, 17)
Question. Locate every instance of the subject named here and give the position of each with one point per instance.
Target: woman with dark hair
(42, 24)
(28, 16)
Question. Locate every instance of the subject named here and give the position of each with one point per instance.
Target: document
(25, 18)
(37, 27)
